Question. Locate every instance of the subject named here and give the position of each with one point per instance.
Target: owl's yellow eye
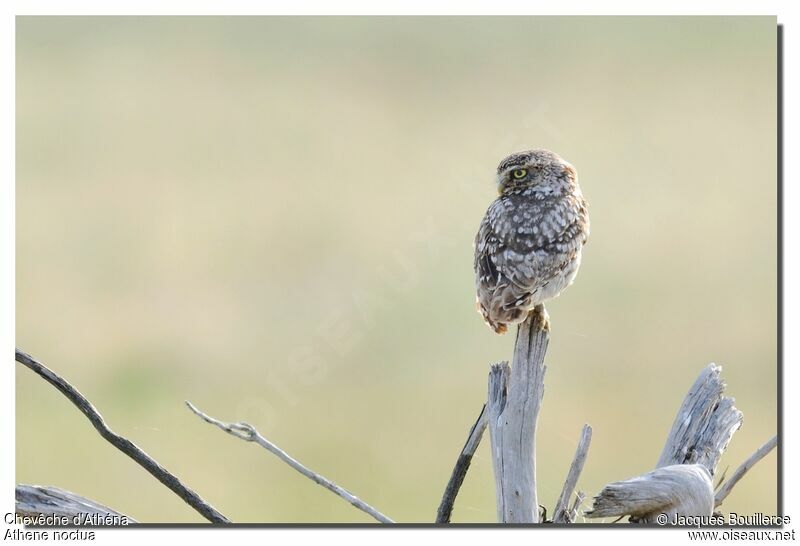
(519, 173)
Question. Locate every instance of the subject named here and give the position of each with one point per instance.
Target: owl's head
(544, 172)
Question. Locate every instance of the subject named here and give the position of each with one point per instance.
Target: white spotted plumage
(528, 246)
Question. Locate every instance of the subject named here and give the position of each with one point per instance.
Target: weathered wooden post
(515, 397)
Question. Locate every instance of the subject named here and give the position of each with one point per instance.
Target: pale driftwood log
(684, 489)
(460, 470)
(248, 433)
(515, 397)
(36, 500)
(704, 425)
(563, 513)
(739, 473)
(120, 442)
(682, 482)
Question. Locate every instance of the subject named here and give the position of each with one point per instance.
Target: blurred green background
(273, 218)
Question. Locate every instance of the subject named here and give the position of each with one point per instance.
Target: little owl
(528, 247)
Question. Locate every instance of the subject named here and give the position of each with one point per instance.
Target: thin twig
(573, 512)
(562, 512)
(246, 432)
(722, 477)
(760, 453)
(123, 444)
(460, 470)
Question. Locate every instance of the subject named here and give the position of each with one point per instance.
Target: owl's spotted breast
(528, 246)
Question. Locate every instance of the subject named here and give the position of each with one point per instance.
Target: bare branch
(562, 512)
(704, 425)
(683, 489)
(246, 432)
(33, 500)
(460, 470)
(120, 442)
(515, 397)
(760, 453)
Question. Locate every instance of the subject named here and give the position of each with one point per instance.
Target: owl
(528, 246)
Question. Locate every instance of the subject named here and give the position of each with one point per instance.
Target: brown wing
(520, 247)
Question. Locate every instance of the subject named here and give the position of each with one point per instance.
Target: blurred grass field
(273, 218)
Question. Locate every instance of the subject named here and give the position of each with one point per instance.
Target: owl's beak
(500, 185)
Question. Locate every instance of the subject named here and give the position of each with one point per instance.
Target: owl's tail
(498, 327)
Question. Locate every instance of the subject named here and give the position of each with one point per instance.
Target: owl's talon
(540, 318)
